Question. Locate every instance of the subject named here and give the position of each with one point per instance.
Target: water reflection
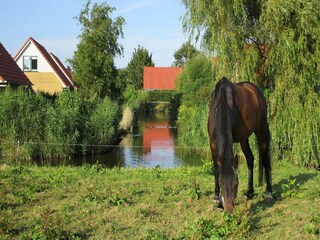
(153, 142)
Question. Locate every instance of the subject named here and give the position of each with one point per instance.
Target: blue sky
(153, 24)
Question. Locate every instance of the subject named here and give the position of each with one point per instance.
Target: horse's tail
(265, 157)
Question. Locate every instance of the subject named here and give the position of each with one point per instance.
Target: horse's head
(229, 184)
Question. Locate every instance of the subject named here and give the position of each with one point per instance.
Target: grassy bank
(97, 203)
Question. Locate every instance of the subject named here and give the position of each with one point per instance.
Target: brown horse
(237, 111)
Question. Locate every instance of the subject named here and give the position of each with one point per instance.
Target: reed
(127, 118)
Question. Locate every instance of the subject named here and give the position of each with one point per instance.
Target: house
(10, 73)
(44, 69)
(160, 78)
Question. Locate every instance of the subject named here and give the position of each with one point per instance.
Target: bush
(196, 82)
(22, 119)
(102, 124)
(195, 85)
(192, 125)
(35, 128)
(157, 95)
(135, 98)
(64, 125)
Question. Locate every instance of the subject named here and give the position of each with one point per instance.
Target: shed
(160, 78)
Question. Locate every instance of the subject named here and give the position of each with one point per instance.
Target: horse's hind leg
(216, 197)
(217, 185)
(250, 159)
(265, 159)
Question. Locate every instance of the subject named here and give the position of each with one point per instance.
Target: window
(30, 63)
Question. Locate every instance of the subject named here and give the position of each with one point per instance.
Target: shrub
(33, 127)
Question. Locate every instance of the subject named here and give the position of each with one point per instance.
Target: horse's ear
(235, 161)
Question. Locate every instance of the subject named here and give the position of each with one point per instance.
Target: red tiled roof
(67, 72)
(54, 62)
(10, 71)
(160, 78)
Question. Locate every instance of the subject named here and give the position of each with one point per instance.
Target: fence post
(17, 151)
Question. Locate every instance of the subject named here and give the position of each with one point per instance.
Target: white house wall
(32, 51)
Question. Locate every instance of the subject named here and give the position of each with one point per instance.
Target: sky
(153, 24)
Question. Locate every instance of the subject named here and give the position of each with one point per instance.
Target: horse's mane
(221, 123)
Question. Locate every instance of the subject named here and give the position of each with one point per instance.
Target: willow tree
(276, 45)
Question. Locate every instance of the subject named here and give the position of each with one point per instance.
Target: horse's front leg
(216, 197)
(250, 159)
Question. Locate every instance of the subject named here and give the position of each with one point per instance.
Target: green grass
(91, 202)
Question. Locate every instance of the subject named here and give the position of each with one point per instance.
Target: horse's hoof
(216, 199)
(268, 195)
(220, 208)
(249, 195)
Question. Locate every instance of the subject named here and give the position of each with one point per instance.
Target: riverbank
(98, 203)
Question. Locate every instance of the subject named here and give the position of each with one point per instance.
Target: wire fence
(19, 144)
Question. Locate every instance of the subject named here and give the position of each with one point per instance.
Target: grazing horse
(236, 111)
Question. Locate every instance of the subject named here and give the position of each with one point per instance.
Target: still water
(153, 142)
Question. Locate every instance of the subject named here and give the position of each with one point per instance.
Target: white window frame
(27, 67)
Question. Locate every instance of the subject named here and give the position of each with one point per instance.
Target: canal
(152, 142)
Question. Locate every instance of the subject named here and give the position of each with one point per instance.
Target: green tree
(93, 61)
(134, 71)
(184, 53)
(197, 79)
(275, 44)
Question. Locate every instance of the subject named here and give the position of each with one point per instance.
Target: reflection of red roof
(160, 78)
(10, 71)
(157, 135)
(52, 60)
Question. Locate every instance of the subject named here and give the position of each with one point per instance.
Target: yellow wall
(44, 81)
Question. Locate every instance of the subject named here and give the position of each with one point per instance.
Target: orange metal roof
(10, 71)
(160, 78)
(53, 61)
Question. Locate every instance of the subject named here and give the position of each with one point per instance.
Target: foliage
(274, 44)
(192, 126)
(135, 98)
(134, 71)
(160, 95)
(102, 124)
(290, 189)
(313, 227)
(22, 119)
(63, 125)
(34, 128)
(93, 61)
(186, 52)
(196, 80)
(223, 228)
(94, 202)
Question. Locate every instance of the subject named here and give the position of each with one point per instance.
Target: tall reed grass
(32, 127)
